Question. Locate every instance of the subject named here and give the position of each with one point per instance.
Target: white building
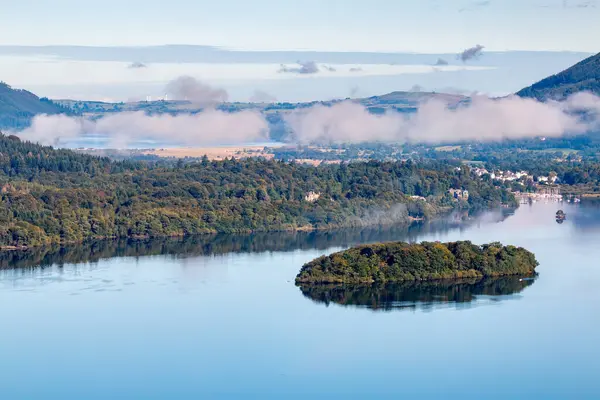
(311, 197)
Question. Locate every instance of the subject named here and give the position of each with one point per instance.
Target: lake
(220, 317)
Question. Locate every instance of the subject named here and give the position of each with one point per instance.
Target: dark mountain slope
(583, 76)
(17, 107)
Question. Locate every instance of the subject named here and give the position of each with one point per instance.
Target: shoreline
(372, 282)
(305, 228)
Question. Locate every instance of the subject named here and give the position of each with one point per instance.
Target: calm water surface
(220, 317)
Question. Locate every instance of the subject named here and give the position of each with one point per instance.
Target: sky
(241, 29)
(331, 25)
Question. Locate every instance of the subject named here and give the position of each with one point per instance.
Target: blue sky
(331, 25)
(264, 34)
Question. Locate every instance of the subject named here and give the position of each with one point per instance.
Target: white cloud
(484, 119)
(206, 128)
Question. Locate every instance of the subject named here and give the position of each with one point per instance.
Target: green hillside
(18, 106)
(583, 76)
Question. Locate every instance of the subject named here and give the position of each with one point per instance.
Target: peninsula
(401, 262)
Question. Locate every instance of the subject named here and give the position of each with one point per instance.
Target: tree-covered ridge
(59, 196)
(583, 76)
(399, 262)
(30, 161)
(17, 107)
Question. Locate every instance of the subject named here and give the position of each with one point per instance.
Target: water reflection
(204, 245)
(585, 217)
(418, 295)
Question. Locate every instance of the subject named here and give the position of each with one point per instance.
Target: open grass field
(448, 148)
(213, 153)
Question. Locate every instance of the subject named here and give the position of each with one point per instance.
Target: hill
(583, 76)
(389, 100)
(411, 98)
(18, 106)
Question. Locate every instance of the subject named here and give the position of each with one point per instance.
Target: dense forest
(224, 243)
(399, 262)
(59, 196)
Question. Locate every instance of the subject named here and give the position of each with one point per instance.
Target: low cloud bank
(51, 129)
(484, 119)
(583, 102)
(209, 127)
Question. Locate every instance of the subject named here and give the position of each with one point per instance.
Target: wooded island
(399, 262)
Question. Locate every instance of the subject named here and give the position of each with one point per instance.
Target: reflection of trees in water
(414, 295)
(202, 245)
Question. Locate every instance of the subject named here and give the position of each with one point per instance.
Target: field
(213, 153)
(448, 148)
(474, 163)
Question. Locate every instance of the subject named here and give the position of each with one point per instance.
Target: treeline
(399, 262)
(30, 161)
(59, 196)
(221, 243)
(18, 107)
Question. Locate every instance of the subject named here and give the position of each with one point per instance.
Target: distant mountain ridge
(583, 76)
(397, 100)
(413, 98)
(18, 106)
